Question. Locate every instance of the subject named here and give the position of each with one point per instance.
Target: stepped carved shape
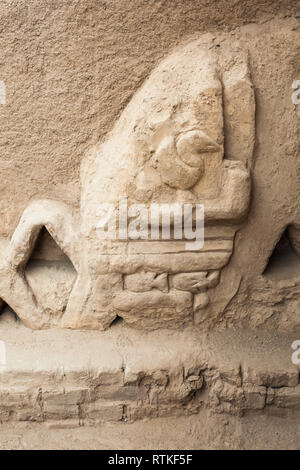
(167, 147)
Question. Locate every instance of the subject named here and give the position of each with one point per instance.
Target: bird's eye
(192, 145)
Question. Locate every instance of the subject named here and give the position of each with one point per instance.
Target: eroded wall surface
(79, 77)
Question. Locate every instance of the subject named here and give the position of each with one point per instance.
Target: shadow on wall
(284, 263)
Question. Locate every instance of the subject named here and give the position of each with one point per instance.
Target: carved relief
(167, 147)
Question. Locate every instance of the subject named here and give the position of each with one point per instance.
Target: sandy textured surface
(196, 432)
(224, 378)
